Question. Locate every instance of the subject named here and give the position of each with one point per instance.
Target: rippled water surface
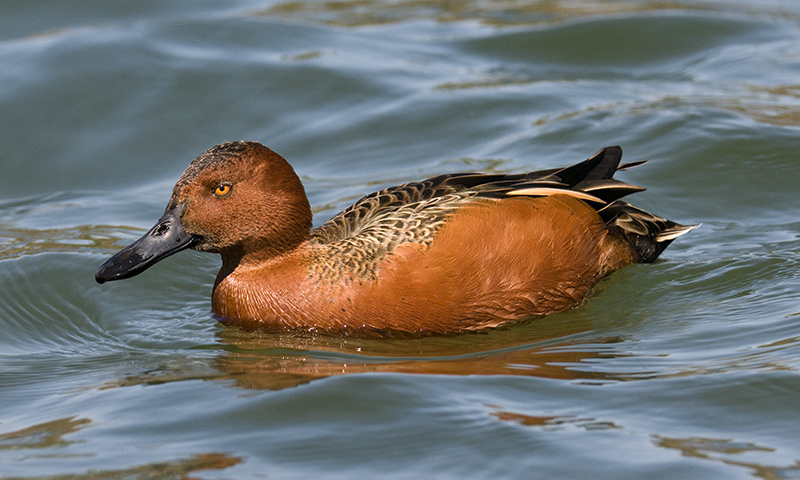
(684, 369)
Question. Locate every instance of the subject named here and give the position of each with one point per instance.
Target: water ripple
(42, 314)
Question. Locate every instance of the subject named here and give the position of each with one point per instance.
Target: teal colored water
(684, 369)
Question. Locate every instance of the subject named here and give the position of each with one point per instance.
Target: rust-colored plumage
(451, 253)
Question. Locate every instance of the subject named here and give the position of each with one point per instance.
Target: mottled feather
(377, 224)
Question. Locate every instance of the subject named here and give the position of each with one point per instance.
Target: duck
(453, 253)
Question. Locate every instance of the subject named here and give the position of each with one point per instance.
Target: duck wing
(432, 199)
(413, 212)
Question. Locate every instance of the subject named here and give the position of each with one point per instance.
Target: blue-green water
(684, 369)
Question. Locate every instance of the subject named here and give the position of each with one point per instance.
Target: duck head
(238, 199)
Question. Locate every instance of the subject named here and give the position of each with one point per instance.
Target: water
(684, 369)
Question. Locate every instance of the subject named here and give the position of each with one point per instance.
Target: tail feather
(629, 165)
(672, 233)
(647, 234)
(600, 166)
(608, 189)
(592, 181)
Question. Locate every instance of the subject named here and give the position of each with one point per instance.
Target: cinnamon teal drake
(462, 251)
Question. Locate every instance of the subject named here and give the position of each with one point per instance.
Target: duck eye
(222, 189)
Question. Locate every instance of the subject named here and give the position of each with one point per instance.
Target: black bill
(164, 239)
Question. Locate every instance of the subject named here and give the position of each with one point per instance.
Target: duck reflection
(551, 347)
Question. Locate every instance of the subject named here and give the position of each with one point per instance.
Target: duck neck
(245, 258)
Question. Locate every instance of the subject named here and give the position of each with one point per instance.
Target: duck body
(452, 253)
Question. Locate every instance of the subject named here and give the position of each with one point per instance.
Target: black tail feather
(600, 166)
(647, 234)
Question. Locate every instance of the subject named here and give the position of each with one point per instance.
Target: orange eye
(222, 189)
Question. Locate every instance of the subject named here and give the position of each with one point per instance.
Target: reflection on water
(726, 451)
(552, 423)
(263, 362)
(777, 104)
(547, 348)
(51, 435)
(18, 238)
(43, 435)
(353, 13)
(17, 242)
(178, 469)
